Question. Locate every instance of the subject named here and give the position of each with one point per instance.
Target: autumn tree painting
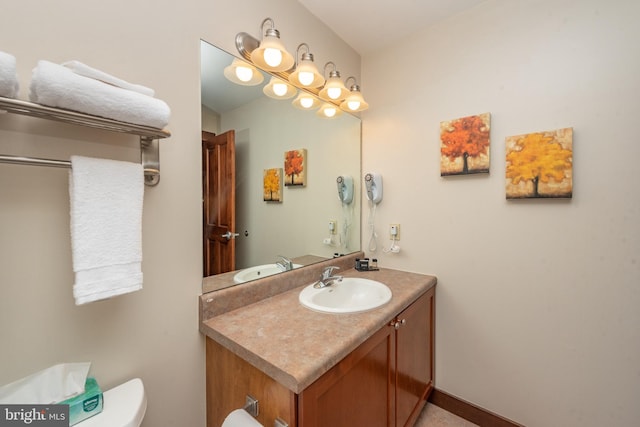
(540, 165)
(464, 145)
(272, 185)
(294, 167)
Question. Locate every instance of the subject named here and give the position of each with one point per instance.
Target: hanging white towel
(9, 85)
(106, 227)
(58, 86)
(87, 71)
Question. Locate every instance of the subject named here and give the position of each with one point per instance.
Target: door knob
(229, 235)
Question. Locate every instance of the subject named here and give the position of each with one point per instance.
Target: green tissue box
(85, 405)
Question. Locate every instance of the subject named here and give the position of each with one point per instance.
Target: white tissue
(51, 385)
(240, 418)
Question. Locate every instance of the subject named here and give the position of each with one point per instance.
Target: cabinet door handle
(397, 323)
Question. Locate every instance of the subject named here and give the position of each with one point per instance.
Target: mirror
(298, 226)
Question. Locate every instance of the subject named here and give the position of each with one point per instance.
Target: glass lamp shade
(354, 102)
(306, 73)
(334, 90)
(243, 73)
(279, 89)
(328, 111)
(306, 101)
(271, 55)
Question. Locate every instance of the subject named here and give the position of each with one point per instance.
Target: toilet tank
(124, 406)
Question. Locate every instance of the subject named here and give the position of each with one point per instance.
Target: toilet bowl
(124, 406)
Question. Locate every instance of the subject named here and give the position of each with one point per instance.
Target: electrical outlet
(394, 232)
(333, 226)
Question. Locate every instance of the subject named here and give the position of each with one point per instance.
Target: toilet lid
(124, 406)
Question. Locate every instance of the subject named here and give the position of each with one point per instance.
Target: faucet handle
(328, 271)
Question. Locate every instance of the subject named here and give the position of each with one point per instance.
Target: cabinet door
(358, 391)
(414, 350)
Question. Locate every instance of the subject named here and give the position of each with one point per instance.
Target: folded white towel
(9, 85)
(58, 86)
(87, 71)
(106, 227)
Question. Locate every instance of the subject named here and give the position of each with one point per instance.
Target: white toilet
(123, 406)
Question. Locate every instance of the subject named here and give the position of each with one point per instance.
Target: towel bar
(149, 147)
(151, 176)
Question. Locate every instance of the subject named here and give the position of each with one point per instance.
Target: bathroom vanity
(314, 369)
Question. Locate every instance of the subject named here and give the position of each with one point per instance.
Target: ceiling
(369, 24)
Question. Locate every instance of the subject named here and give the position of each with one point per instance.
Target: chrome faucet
(284, 264)
(327, 278)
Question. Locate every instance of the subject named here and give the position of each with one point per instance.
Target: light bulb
(305, 77)
(306, 102)
(279, 89)
(244, 74)
(334, 92)
(353, 105)
(273, 57)
(330, 111)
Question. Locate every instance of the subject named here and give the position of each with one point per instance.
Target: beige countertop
(295, 345)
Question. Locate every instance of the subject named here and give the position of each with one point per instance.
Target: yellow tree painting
(295, 167)
(464, 145)
(272, 185)
(540, 165)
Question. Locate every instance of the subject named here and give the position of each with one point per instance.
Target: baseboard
(469, 411)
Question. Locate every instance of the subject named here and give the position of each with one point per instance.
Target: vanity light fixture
(328, 111)
(279, 89)
(243, 73)
(333, 90)
(270, 54)
(306, 101)
(306, 73)
(354, 101)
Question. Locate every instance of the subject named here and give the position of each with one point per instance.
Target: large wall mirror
(298, 225)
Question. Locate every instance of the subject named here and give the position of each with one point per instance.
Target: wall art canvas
(540, 165)
(295, 168)
(464, 145)
(272, 185)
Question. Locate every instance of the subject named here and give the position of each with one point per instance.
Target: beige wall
(152, 333)
(538, 301)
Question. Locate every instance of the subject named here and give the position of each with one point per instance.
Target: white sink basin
(258, 272)
(350, 295)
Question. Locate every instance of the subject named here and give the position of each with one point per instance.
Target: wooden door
(414, 368)
(219, 202)
(358, 391)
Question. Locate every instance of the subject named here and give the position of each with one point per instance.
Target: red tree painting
(464, 145)
(295, 163)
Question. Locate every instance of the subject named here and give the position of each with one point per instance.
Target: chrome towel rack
(149, 137)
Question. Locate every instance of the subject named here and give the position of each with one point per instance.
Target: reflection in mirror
(302, 223)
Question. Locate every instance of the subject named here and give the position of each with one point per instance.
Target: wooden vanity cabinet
(384, 382)
(229, 379)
